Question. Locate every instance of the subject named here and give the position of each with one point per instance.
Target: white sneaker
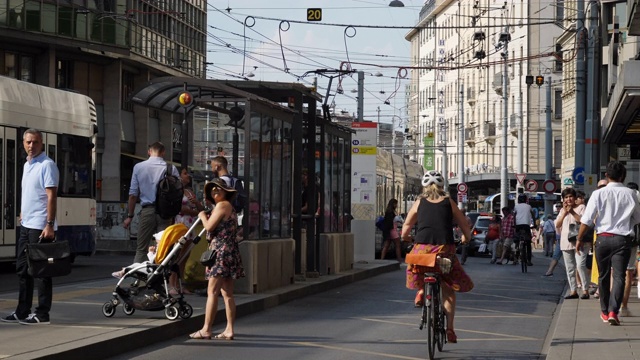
(624, 312)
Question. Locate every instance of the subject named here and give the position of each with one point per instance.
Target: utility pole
(548, 153)
(581, 86)
(504, 180)
(461, 177)
(361, 97)
(592, 131)
(445, 160)
(520, 165)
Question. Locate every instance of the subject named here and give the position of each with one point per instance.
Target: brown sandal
(451, 336)
(418, 302)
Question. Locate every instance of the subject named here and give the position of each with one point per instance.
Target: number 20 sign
(314, 14)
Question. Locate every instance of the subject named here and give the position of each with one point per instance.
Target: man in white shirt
(616, 210)
(524, 220)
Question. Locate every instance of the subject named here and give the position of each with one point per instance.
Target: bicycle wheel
(441, 320)
(523, 255)
(431, 321)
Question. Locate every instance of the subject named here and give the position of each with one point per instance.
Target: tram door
(9, 185)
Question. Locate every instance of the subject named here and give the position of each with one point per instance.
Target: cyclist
(435, 212)
(524, 219)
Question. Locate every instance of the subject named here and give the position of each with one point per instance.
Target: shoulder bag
(49, 259)
(208, 257)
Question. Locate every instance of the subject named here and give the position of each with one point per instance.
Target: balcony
(471, 96)
(470, 136)
(497, 83)
(513, 125)
(489, 133)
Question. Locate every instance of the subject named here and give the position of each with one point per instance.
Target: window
(557, 65)
(559, 10)
(74, 164)
(558, 104)
(18, 67)
(64, 74)
(127, 89)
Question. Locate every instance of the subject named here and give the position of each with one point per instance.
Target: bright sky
(310, 46)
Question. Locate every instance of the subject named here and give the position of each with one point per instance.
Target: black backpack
(169, 194)
(241, 199)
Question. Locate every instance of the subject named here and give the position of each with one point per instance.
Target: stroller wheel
(186, 311)
(171, 312)
(108, 309)
(129, 310)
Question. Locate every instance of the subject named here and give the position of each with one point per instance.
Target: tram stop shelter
(273, 141)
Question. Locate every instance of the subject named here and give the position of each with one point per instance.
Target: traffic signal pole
(548, 153)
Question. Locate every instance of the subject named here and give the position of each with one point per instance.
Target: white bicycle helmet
(432, 177)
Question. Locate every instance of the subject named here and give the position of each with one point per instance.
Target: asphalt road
(508, 315)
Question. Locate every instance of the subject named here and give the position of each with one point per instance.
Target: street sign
(531, 186)
(549, 186)
(520, 178)
(462, 198)
(578, 175)
(462, 188)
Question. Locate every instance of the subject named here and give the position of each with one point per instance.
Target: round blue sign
(578, 175)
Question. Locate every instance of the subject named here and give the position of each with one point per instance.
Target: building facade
(105, 50)
(460, 53)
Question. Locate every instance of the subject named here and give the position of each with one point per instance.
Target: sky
(237, 51)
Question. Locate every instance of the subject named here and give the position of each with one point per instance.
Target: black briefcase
(49, 259)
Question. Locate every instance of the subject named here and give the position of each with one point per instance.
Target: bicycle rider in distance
(435, 213)
(524, 219)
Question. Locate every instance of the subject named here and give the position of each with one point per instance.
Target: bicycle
(433, 316)
(522, 250)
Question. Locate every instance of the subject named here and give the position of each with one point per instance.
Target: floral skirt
(457, 279)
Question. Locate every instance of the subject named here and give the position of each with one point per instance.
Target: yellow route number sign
(314, 14)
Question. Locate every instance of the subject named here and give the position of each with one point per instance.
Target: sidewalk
(79, 330)
(580, 334)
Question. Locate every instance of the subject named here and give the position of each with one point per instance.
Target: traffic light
(539, 80)
(185, 99)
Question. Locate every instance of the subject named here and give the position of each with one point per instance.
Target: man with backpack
(144, 184)
(219, 166)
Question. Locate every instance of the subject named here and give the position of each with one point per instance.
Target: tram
(68, 122)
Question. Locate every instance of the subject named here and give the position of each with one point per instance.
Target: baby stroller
(148, 287)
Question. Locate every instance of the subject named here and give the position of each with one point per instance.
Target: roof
(162, 93)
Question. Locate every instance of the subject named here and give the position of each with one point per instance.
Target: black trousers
(612, 252)
(26, 282)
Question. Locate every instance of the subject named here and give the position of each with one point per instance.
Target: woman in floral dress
(221, 226)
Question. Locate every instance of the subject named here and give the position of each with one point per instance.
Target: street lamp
(396, 3)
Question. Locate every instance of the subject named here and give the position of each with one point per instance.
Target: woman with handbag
(222, 259)
(567, 224)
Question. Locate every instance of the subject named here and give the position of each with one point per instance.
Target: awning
(621, 123)
(162, 93)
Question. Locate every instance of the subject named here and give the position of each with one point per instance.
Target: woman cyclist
(435, 213)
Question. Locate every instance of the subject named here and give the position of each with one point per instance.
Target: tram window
(74, 164)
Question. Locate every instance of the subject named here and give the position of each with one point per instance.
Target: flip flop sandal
(223, 337)
(199, 336)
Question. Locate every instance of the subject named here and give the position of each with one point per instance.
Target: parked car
(479, 233)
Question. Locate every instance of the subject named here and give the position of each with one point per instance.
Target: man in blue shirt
(37, 220)
(144, 180)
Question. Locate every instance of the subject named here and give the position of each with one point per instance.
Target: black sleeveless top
(435, 223)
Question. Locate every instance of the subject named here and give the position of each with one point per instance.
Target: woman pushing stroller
(221, 226)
